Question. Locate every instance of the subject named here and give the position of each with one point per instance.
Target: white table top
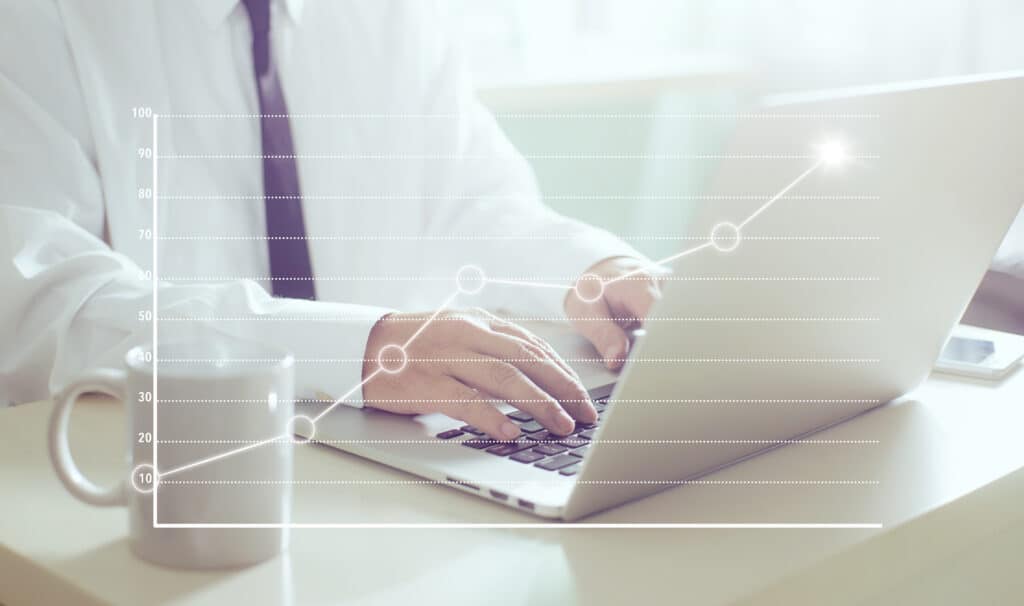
(946, 439)
(965, 552)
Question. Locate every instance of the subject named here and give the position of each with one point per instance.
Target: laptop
(848, 231)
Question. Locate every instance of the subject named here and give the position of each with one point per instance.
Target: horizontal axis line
(520, 482)
(552, 156)
(533, 115)
(541, 525)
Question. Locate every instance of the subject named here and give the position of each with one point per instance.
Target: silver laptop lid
(836, 297)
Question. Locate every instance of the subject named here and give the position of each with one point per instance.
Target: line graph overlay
(828, 154)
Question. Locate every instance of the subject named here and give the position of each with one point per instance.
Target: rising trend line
(782, 192)
(348, 394)
(451, 298)
(220, 456)
(659, 263)
(530, 283)
(430, 320)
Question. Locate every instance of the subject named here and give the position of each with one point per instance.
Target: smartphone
(980, 357)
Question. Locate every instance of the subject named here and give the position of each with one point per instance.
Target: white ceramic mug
(221, 446)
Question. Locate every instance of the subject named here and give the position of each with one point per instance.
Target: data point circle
(470, 279)
(725, 237)
(589, 288)
(392, 359)
(301, 429)
(144, 478)
(833, 153)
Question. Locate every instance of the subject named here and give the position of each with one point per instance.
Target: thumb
(604, 334)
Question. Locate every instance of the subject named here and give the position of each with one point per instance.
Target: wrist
(375, 340)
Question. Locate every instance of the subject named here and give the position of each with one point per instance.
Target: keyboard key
(558, 462)
(531, 427)
(588, 434)
(508, 448)
(570, 470)
(451, 433)
(600, 406)
(580, 452)
(550, 449)
(527, 456)
(518, 415)
(581, 426)
(546, 436)
(473, 430)
(480, 443)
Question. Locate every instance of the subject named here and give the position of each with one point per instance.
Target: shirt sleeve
(71, 303)
(492, 194)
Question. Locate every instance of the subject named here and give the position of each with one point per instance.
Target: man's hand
(463, 363)
(610, 299)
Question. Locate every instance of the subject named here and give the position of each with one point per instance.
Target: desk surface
(946, 439)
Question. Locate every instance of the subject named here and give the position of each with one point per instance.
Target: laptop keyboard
(536, 446)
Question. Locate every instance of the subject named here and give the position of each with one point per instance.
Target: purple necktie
(290, 269)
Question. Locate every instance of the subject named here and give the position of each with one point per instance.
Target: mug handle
(108, 381)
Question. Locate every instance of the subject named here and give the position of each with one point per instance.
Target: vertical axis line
(153, 277)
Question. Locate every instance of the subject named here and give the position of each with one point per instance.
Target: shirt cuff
(328, 341)
(571, 260)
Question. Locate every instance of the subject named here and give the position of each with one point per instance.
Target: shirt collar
(214, 12)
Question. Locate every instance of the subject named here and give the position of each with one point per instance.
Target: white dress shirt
(426, 183)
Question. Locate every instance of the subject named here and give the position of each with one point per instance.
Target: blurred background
(649, 61)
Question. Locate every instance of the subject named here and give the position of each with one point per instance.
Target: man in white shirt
(397, 179)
